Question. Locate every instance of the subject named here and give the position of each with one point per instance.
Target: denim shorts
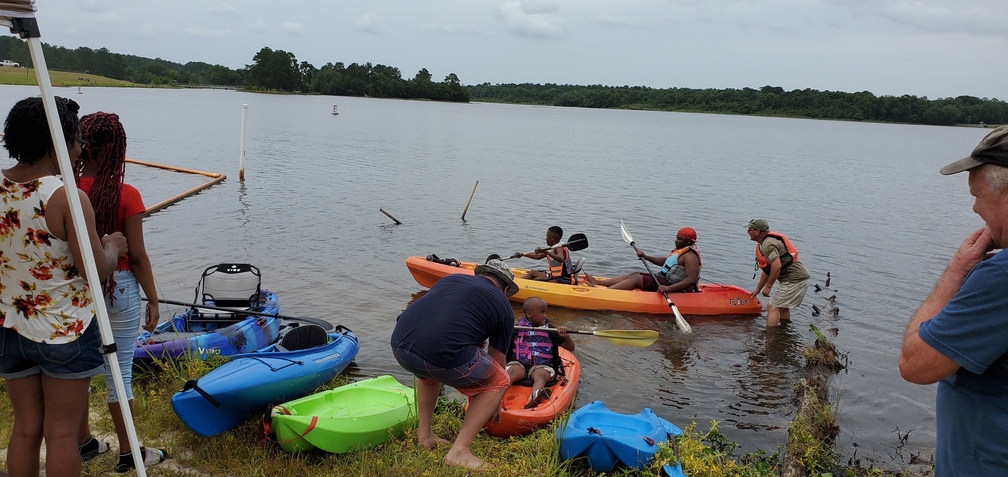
(21, 357)
(480, 374)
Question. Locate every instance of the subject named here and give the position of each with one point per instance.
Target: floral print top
(42, 295)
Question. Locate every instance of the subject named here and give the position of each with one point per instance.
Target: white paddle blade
(680, 321)
(625, 233)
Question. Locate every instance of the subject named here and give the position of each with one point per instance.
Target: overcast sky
(933, 48)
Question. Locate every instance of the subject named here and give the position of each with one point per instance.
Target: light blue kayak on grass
(608, 438)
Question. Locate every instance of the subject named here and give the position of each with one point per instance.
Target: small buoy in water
(815, 310)
(827, 279)
(818, 288)
(334, 110)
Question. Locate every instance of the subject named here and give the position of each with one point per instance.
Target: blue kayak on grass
(305, 358)
(608, 438)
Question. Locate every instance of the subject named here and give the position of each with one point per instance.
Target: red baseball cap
(686, 233)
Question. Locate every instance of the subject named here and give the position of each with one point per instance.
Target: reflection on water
(308, 216)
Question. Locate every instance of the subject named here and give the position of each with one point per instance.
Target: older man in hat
(959, 336)
(439, 338)
(777, 257)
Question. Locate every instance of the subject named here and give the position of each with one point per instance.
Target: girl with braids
(118, 207)
(48, 339)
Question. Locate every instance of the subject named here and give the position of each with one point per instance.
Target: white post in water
(241, 147)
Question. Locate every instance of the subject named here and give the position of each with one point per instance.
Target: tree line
(271, 70)
(768, 101)
(279, 70)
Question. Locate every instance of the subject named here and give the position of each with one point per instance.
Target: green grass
(26, 76)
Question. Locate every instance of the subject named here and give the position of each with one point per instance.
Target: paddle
(576, 242)
(680, 321)
(639, 338)
(324, 324)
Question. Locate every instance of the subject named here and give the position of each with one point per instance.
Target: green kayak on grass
(350, 417)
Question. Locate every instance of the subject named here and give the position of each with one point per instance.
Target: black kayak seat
(304, 336)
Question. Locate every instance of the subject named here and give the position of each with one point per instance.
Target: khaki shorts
(528, 371)
(789, 295)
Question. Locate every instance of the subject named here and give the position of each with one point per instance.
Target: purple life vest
(533, 347)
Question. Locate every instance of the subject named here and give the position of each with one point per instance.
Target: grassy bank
(26, 76)
(240, 451)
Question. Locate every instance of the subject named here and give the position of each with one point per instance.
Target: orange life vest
(761, 261)
(555, 270)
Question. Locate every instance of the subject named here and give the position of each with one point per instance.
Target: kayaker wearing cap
(777, 257)
(680, 270)
(959, 336)
(439, 339)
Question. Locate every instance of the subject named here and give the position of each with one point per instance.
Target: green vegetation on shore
(766, 101)
(26, 76)
(280, 71)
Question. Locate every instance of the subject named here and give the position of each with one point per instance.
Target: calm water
(861, 201)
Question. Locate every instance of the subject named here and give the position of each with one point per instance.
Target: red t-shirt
(130, 204)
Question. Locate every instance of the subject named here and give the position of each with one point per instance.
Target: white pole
(90, 268)
(241, 147)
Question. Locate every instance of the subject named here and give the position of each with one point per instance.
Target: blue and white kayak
(305, 358)
(609, 438)
(202, 333)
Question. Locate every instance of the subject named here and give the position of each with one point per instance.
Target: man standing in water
(778, 259)
(439, 339)
(959, 336)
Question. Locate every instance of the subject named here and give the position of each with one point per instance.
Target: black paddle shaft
(324, 324)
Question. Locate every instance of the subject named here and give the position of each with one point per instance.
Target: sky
(933, 48)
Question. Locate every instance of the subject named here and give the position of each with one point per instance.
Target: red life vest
(761, 261)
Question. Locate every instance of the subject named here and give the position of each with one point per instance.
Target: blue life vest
(533, 347)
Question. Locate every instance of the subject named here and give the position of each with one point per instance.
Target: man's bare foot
(431, 442)
(467, 460)
(590, 279)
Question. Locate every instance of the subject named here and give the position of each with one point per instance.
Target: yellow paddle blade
(636, 338)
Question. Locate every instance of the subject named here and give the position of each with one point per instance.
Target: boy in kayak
(533, 353)
(558, 262)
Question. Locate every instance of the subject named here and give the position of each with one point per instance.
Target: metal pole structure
(241, 147)
(77, 213)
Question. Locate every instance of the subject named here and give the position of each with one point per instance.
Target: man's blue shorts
(21, 357)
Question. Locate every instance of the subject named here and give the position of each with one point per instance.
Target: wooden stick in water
(390, 216)
(470, 200)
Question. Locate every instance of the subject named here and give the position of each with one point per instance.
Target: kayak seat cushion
(305, 336)
(230, 285)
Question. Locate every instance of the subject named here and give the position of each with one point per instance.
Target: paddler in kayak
(558, 262)
(680, 270)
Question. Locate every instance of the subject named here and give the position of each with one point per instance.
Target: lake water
(861, 201)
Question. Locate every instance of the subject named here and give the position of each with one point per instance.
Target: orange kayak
(517, 421)
(712, 299)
